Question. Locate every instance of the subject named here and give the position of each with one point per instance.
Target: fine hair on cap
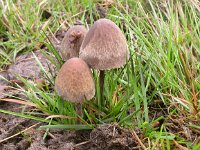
(105, 46)
(74, 81)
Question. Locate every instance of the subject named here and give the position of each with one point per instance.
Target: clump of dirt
(112, 137)
(26, 66)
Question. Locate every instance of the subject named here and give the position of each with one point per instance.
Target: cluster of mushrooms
(103, 47)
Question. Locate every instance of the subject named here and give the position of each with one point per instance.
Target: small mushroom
(75, 83)
(72, 41)
(104, 47)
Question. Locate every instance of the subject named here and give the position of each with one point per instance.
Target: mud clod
(26, 66)
(112, 137)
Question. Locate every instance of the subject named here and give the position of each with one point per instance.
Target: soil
(108, 137)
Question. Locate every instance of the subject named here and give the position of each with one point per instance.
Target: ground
(107, 136)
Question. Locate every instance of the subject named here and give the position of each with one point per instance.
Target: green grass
(164, 44)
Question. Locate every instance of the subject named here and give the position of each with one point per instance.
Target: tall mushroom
(72, 41)
(104, 47)
(75, 83)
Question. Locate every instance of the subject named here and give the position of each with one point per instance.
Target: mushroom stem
(101, 84)
(79, 111)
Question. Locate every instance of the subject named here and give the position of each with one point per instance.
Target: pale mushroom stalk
(79, 108)
(79, 111)
(101, 85)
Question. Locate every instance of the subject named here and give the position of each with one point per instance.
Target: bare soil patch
(108, 137)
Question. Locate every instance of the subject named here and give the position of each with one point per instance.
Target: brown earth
(108, 137)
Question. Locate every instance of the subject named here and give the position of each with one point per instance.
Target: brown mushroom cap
(74, 81)
(72, 41)
(104, 46)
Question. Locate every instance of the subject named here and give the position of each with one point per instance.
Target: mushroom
(72, 41)
(75, 83)
(104, 47)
